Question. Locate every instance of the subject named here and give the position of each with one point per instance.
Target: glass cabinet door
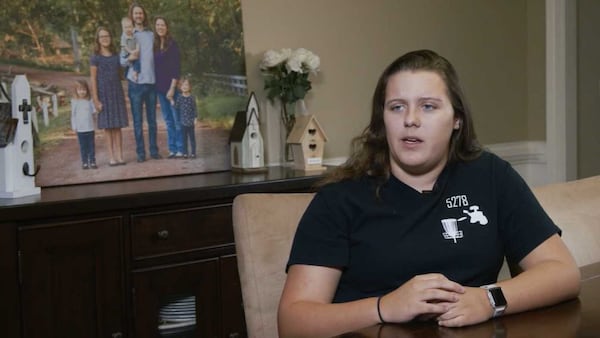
(177, 301)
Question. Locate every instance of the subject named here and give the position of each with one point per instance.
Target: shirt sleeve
(524, 224)
(94, 60)
(123, 60)
(178, 60)
(322, 235)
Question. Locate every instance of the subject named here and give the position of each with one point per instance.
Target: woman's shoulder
(485, 160)
(100, 57)
(488, 167)
(173, 47)
(349, 185)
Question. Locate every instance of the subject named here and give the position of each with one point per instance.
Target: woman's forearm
(311, 319)
(93, 79)
(547, 283)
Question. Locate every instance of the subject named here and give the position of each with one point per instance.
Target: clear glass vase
(289, 112)
(300, 108)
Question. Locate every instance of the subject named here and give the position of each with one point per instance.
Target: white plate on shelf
(169, 328)
(178, 314)
(184, 300)
(181, 307)
(178, 308)
(177, 319)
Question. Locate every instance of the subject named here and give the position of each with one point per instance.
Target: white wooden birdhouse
(307, 140)
(245, 140)
(17, 169)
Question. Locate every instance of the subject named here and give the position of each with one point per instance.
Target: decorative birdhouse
(17, 170)
(245, 140)
(307, 140)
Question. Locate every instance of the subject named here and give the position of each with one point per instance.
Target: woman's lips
(412, 140)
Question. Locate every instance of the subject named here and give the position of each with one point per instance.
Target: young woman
(107, 94)
(416, 224)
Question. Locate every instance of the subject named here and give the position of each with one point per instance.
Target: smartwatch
(496, 297)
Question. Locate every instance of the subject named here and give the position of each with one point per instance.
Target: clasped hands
(433, 296)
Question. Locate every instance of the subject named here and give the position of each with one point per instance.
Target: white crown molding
(522, 152)
(527, 157)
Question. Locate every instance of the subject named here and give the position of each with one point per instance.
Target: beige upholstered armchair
(264, 226)
(575, 207)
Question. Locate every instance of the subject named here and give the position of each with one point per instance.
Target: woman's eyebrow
(430, 98)
(394, 101)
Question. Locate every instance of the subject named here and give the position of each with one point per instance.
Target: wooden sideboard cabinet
(72, 270)
(144, 258)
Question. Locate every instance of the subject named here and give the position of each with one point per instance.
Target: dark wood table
(576, 318)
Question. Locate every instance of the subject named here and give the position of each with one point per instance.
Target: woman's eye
(428, 107)
(397, 107)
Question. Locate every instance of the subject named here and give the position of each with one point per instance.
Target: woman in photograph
(167, 69)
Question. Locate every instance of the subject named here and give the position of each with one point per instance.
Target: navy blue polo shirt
(478, 212)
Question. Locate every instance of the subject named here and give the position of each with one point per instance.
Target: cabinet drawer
(180, 230)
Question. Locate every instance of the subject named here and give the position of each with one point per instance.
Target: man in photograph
(141, 88)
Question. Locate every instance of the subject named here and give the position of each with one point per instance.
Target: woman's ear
(456, 124)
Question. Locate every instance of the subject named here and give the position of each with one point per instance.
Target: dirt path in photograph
(61, 165)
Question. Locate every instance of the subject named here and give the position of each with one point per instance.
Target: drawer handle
(163, 234)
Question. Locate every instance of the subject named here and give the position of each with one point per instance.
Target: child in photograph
(185, 104)
(129, 45)
(82, 122)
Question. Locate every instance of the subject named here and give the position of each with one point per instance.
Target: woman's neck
(420, 181)
(163, 42)
(105, 51)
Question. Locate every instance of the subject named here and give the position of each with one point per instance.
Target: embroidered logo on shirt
(476, 215)
(450, 225)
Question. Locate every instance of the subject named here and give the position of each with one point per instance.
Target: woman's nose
(412, 118)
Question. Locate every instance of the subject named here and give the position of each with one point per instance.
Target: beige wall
(536, 69)
(588, 87)
(487, 41)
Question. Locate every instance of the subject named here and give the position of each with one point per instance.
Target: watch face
(498, 296)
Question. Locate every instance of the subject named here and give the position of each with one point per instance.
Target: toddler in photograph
(185, 104)
(82, 122)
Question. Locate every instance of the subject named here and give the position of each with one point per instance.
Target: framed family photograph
(126, 90)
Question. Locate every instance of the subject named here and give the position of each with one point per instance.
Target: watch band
(496, 298)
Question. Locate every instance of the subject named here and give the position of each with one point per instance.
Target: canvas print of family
(125, 90)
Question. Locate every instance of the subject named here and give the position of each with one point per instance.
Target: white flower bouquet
(286, 77)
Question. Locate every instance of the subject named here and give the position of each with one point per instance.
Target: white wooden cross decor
(17, 168)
